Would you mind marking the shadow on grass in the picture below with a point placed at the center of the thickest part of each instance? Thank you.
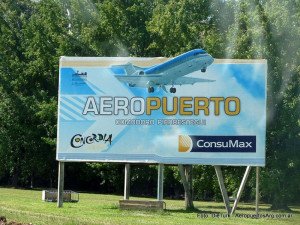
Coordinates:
(195, 210)
(221, 209)
(289, 210)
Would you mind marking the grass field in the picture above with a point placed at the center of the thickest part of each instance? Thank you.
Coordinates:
(26, 206)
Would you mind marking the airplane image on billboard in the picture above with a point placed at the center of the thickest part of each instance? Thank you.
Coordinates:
(171, 72)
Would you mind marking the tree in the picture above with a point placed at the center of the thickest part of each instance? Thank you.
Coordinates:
(28, 88)
(280, 176)
(34, 34)
(176, 26)
(14, 109)
(186, 174)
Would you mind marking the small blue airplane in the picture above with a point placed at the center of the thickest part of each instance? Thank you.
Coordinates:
(172, 72)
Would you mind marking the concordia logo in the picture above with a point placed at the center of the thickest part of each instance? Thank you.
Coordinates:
(192, 143)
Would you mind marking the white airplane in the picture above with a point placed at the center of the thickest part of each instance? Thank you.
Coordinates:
(172, 72)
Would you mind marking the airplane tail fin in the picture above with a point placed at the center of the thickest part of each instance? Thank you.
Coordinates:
(129, 68)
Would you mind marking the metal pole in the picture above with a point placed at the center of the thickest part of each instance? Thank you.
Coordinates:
(257, 191)
(61, 174)
(222, 188)
(160, 182)
(127, 182)
(240, 191)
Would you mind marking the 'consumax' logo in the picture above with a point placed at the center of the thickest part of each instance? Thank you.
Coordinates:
(192, 143)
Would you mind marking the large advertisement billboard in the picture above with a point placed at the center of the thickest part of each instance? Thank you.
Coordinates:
(191, 109)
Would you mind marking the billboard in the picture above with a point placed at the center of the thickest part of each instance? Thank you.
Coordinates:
(185, 110)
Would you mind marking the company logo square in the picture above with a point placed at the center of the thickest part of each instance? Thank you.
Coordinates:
(185, 143)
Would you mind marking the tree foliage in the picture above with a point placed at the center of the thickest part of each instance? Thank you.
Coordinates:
(34, 34)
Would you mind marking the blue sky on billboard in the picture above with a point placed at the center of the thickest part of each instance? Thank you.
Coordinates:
(246, 77)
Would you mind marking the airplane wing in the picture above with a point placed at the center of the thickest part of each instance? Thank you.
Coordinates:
(139, 80)
(189, 80)
(143, 80)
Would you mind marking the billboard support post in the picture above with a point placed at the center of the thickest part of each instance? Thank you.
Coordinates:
(160, 182)
(61, 173)
(127, 182)
(257, 191)
(222, 188)
(241, 188)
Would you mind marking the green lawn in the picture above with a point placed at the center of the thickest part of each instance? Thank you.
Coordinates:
(26, 206)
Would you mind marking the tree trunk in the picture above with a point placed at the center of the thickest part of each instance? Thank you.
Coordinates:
(51, 185)
(15, 177)
(187, 181)
(31, 182)
(279, 203)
